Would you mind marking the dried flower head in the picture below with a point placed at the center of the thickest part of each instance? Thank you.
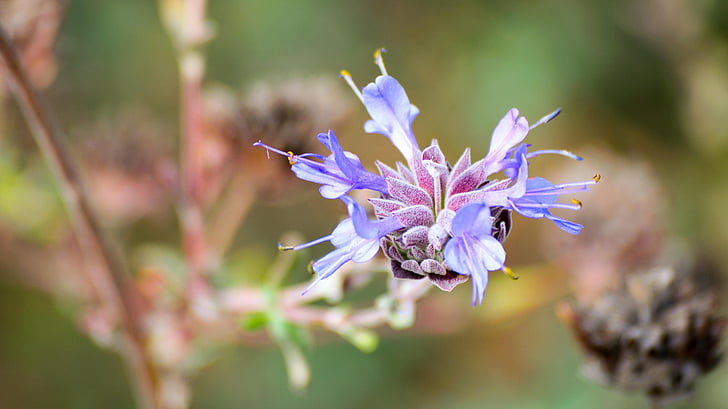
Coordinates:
(434, 220)
(655, 334)
(129, 166)
(287, 115)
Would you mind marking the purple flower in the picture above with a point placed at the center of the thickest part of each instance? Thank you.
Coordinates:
(542, 195)
(442, 222)
(356, 238)
(337, 174)
(511, 130)
(472, 250)
(391, 111)
(534, 197)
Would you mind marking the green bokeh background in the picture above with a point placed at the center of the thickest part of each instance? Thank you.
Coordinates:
(464, 64)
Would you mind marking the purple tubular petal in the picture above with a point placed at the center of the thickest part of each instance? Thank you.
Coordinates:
(537, 200)
(501, 197)
(367, 229)
(511, 130)
(473, 251)
(565, 225)
(392, 114)
(474, 219)
(337, 174)
(358, 250)
(352, 168)
(356, 238)
(349, 165)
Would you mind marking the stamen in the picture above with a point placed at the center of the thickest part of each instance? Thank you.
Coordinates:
(566, 206)
(554, 151)
(555, 192)
(545, 119)
(596, 178)
(281, 247)
(510, 273)
(579, 186)
(292, 158)
(380, 61)
(576, 202)
(347, 77)
(288, 154)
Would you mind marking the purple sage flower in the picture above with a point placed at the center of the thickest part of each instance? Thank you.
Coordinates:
(446, 223)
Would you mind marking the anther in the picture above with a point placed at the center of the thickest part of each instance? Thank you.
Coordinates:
(380, 61)
(576, 202)
(596, 178)
(347, 77)
(281, 247)
(291, 158)
(510, 273)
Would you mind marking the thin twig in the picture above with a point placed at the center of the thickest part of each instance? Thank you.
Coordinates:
(106, 272)
(191, 70)
(232, 209)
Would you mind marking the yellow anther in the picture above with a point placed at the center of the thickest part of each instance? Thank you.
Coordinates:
(291, 158)
(350, 81)
(597, 178)
(378, 55)
(510, 273)
(380, 61)
(309, 268)
(281, 247)
(576, 202)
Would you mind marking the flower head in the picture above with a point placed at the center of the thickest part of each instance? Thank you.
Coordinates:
(436, 221)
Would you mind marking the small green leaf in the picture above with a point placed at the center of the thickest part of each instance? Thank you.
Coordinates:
(364, 340)
(255, 321)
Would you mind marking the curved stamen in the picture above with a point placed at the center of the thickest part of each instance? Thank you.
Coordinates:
(347, 77)
(281, 247)
(566, 206)
(554, 151)
(546, 118)
(293, 158)
(380, 61)
(580, 186)
(551, 193)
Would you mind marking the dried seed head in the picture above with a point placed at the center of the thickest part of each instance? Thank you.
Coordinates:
(287, 115)
(129, 167)
(656, 334)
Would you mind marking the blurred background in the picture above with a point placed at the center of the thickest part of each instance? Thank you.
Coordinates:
(643, 87)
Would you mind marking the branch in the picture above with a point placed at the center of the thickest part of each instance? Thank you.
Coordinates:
(105, 272)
